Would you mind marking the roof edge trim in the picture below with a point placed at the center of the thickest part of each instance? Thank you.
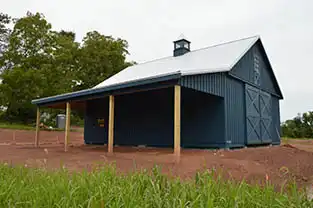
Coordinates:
(205, 71)
(98, 90)
(137, 80)
(245, 51)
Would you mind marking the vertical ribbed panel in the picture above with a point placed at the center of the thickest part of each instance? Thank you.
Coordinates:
(235, 112)
(142, 118)
(202, 120)
(145, 118)
(96, 109)
(244, 70)
(276, 120)
(209, 83)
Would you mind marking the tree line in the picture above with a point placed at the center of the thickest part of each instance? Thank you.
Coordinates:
(300, 126)
(37, 61)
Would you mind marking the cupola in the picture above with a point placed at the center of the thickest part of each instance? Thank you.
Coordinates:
(181, 46)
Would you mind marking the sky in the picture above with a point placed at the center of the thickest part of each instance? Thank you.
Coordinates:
(150, 27)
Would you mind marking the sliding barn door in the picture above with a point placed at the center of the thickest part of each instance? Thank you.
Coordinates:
(266, 117)
(258, 116)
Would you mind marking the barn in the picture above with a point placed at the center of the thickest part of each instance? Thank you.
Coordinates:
(221, 96)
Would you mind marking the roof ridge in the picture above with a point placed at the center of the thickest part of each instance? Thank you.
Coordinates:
(199, 49)
(224, 43)
(155, 60)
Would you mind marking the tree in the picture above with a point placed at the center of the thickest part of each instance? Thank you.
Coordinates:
(5, 31)
(40, 62)
(60, 76)
(300, 126)
(100, 57)
(307, 122)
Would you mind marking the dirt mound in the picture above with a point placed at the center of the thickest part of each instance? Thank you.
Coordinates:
(288, 145)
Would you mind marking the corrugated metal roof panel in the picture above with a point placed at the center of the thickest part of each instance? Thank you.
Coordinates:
(217, 58)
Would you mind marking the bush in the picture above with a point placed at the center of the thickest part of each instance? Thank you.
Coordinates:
(76, 117)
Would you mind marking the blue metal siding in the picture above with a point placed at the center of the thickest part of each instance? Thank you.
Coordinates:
(244, 70)
(276, 121)
(96, 109)
(142, 118)
(235, 113)
(203, 121)
(209, 83)
(232, 90)
(145, 118)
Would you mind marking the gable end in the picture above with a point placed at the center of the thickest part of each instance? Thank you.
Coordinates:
(254, 68)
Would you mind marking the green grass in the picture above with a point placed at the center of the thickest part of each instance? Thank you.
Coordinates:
(26, 127)
(16, 126)
(23, 187)
(289, 138)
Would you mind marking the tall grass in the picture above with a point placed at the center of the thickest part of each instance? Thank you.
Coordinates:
(23, 187)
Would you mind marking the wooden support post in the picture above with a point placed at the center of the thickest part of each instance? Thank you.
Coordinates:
(37, 128)
(14, 138)
(111, 125)
(177, 95)
(67, 125)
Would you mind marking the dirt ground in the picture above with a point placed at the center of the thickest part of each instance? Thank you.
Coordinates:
(277, 163)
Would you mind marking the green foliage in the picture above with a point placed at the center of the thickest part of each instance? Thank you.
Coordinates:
(76, 117)
(5, 31)
(299, 127)
(22, 187)
(32, 70)
(40, 62)
(16, 126)
(100, 57)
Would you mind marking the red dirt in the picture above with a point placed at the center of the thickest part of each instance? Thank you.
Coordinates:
(279, 163)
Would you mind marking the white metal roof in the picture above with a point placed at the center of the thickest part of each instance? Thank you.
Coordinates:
(217, 58)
